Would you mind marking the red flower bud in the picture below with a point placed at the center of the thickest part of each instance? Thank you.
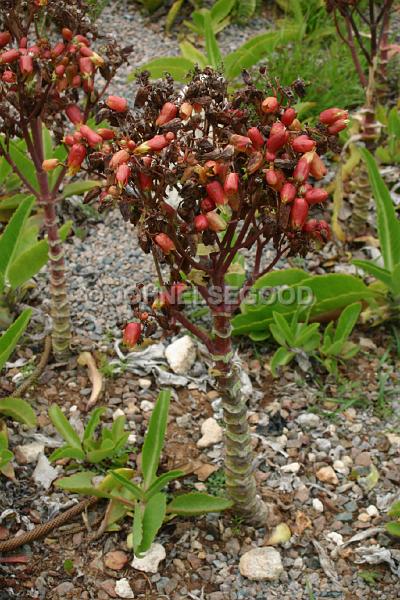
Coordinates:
(316, 195)
(59, 70)
(10, 56)
(288, 116)
(216, 192)
(93, 138)
(67, 34)
(317, 168)
(9, 77)
(231, 185)
(69, 140)
(275, 178)
(338, 125)
(207, 204)
(76, 81)
(277, 141)
(34, 50)
(78, 137)
(302, 169)
(119, 158)
(74, 114)
(167, 113)
(216, 222)
(145, 181)
(255, 162)
(23, 43)
(5, 38)
(330, 115)
(86, 66)
(270, 156)
(302, 144)
(318, 230)
(76, 157)
(132, 333)
(241, 143)
(81, 39)
(57, 50)
(164, 242)
(288, 193)
(277, 127)
(298, 213)
(185, 111)
(256, 137)
(85, 51)
(50, 164)
(200, 223)
(270, 105)
(156, 144)
(122, 174)
(106, 134)
(117, 103)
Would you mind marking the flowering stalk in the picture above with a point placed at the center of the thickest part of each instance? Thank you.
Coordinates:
(245, 183)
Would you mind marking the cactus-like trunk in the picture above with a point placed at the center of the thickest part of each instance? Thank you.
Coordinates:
(60, 314)
(239, 471)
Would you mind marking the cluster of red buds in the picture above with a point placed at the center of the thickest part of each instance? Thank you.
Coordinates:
(197, 169)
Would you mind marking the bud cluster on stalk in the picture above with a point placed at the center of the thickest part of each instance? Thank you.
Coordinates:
(191, 168)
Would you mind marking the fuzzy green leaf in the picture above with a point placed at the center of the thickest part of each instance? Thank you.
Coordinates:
(153, 518)
(10, 337)
(63, 426)
(18, 410)
(197, 503)
(154, 439)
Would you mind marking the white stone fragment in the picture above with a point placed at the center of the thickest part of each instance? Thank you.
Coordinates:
(28, 453)
(291, 468)
(308, 420)
(123, 589)
(44, 474)
(181, 355)
(261, 564)
(212, 433)
(149, 562)
(317, 505)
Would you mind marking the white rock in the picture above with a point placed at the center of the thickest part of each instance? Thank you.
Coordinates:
(308, 420)
(291, 468)
(145, 384)
(212, 433)
(181, 355)
(123, 589)
(118, 413)
(394, 440)
(44, 474)
(28, 453)
(317, 505)
(327, 475)
(334, 537)
(261, 564)
(132, 438)
(146, 405)
(150, 560)
(372, 511)
(340, 467)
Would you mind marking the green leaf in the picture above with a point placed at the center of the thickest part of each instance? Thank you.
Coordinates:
(258, 47)
(212, 49)
(177, 66)
(284, 328)
(305, 336)
(18, 410)
(197, 503)
(77, 188)
(162, 481)
(281, 357)
(137, 527)
(117, 429)
(394, 510)
(135, 490)
(393, 528)
(394, 122)
(347, 321)
(11, 236)
(395, 283)
(193, 54)
(81, 483)
(29, 263)
(10, 338)
(372, 269)
(221, 9)
(172, 14)
(278, 334)
(25, 165)
(99, 454)
(93, 422)
(63, 426)
(67, 452)
(153, 518)
(154, 439)
(387, 222)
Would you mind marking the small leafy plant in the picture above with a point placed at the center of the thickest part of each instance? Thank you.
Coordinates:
(335, 345)
(393, 527)
(146, 501)
(294, 337)
(6, 455)
(109, 445)
(10, 337)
